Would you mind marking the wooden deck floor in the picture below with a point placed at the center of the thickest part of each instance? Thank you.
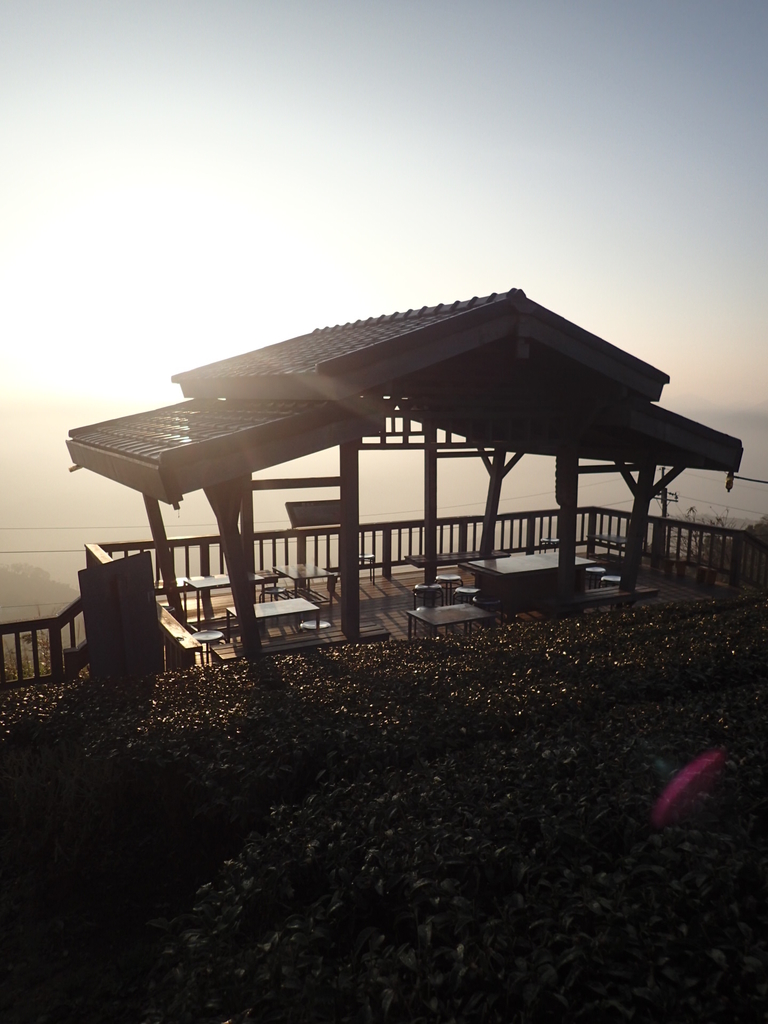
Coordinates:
(383, 604)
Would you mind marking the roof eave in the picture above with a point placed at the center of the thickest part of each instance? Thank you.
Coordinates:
(417, 348)
(188, 468)
(137, 474)
(699, 446)
(537, 323)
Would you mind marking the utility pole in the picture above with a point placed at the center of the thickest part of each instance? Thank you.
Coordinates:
(667, 497)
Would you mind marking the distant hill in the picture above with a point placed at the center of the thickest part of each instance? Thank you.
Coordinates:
(27, 592)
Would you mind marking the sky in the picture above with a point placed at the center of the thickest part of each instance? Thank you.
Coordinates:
(180, 182)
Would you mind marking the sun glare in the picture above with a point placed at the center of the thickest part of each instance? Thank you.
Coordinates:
(116, 295)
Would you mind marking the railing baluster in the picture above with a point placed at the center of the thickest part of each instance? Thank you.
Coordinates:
(19, 660)
(35, 654)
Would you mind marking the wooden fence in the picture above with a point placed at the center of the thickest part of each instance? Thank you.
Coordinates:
(391, 543)
(49, 649)
(33, 650)
(736, 556)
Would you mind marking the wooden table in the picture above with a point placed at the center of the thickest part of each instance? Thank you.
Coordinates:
(203, 585)
(272, 610)
(302, 575)
(607, 540)
(522, 582)
(447, 615)
(448, 558)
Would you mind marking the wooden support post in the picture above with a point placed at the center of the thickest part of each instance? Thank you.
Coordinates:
(658, 543)
(737, 553)
(164, 557)
(567, 496)
(349, 540)
(301, 548)
(56, 653)
(246, 525)
(492, 503)
(226, 502)
(386, 552)
(638, 524)
(205, 558)
(463, 536)
(246, 530)
(430, 502)
(591, 531)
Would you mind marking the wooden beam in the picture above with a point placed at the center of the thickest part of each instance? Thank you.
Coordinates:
(613, 468)
(349, 540)
(246, 526)
(226, 502)
(430, 502)
(461, 454)
(567, 496)
(164, 556)
(629, 480)
(492, 503)
(637, 526)
(667, 479)
(286, 483)
(513, 462)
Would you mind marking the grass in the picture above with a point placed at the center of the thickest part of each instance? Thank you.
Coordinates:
(454, 829)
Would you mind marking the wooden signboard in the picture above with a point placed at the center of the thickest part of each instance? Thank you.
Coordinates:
(314, 513)
(120, 613)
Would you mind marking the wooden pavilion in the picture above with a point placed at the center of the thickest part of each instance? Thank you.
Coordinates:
(493, 378)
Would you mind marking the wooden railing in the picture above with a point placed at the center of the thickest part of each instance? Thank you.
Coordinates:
(391, 543)
(46, 650)
(733, 554)
(697, 544)
(754, 562)
(33, 650)
(736, 556)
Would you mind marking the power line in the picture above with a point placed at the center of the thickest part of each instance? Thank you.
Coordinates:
(276, 522)
(44, 551)
(141, 526)
(720, 504)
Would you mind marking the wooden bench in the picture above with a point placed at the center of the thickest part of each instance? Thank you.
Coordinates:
(370, 632)
(613, 596)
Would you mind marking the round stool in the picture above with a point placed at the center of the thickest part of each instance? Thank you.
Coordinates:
(310, 625)
(449, 581)
(206, 637)
(610, 581)
(489, 604)
(594, 573)
(273, 593)
(368, 562)
(549, 543)
(427, 595)
(465, 595)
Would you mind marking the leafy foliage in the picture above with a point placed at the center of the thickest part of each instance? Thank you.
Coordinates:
(455, 829)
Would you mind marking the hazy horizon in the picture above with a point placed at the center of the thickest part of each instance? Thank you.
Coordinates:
(187, 181)
(47, 519)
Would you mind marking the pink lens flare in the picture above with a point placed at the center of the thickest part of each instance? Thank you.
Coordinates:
(687, 788)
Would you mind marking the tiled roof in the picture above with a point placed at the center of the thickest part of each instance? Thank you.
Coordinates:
(305, 353)
(149, 435)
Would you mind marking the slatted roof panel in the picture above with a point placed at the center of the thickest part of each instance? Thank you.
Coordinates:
(304, 353)
(150, 435)
(334, 362)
